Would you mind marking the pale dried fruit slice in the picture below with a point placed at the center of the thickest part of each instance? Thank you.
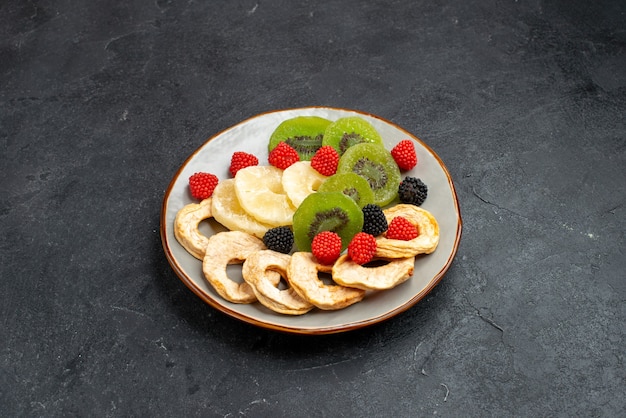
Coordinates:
(425, 243)
(303, 276)
(224, 248)
(385, 276)
(300, 180)
(261, 194)
(263, 271)
(186, 225)
(227, 211)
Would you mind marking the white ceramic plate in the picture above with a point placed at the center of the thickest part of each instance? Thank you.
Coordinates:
(252, 136)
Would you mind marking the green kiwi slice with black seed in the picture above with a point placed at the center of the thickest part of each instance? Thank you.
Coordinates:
(346, 132)
(374, 163)
(326, 211)
(302, 133)
(350, 184)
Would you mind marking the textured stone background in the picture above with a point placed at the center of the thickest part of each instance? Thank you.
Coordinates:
(100, 103)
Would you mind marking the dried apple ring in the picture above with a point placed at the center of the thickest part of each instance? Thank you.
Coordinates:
(186, 227)
(386, 276)
(303, 276)
(425, 243)
(263, 270)
(224, 248)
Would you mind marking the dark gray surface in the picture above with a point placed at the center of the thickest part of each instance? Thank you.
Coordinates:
(525, 101)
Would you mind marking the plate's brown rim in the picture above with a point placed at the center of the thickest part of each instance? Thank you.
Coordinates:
(307, 330)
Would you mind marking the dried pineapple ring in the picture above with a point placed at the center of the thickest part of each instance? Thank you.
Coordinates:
(263, 270)
(425, 243)
(348, 273)
(227, 211)
(229, 247)
(303, 276)
(260, 193)
(300, 180)
(186, 227)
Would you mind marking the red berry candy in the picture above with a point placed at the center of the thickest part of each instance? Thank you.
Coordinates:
(283, 156)
(326, 247)
(404, 154)
(325, 160)
(362, 248)
(241, 160)
(400, 228)
(202, 185)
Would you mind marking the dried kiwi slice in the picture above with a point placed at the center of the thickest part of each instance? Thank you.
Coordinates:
(348, 131)
(326, 211)
(377, 166)
(350, 184)
(303, 133)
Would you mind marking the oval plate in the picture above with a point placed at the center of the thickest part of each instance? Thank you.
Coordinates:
(252, 136)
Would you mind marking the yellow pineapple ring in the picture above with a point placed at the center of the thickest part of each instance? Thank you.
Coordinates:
(425, 243)
(260, 193)
(303, 276)
(300, 180)
(348, 273)
(227, 211)
(224, 248)
(186, 227)
(263, 270)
